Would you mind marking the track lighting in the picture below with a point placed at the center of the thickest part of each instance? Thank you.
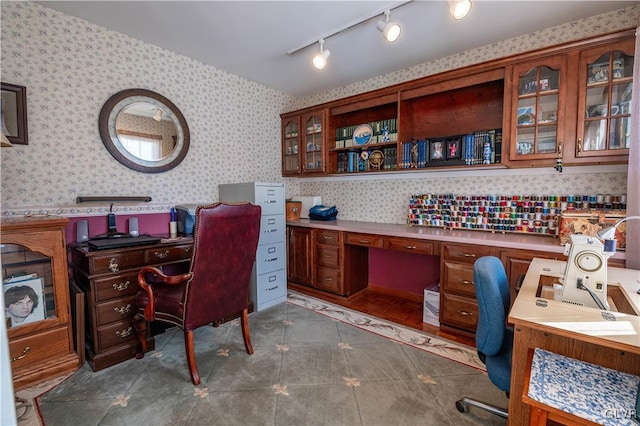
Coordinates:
(459, 8)
(320, 60)
(158, 114)
(390, 30)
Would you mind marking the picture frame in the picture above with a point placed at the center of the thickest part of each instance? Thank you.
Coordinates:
(597, 73)
(454, 148)
(31, 287)
(437, 150)
(13, 113)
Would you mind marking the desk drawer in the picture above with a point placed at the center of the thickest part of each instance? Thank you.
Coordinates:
(116, 310)
(458, 278)
(169, 254)
(272, 229)
(328, 256)
(324, 236)
(271, 285)
(115, 334)
(459, 312)
(116, 262)
(466, 252)
(329, 279)
(366, 240)
(271, 257)
(41, 347)
(116, 286)
(409, 245)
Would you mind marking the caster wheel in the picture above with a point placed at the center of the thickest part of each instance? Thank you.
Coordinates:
(462, 407)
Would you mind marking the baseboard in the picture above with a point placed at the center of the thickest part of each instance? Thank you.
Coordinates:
(396, 293)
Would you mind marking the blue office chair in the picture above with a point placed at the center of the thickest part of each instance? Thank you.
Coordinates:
(494, 340)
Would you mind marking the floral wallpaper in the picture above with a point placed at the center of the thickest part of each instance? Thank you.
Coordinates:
(71, 67)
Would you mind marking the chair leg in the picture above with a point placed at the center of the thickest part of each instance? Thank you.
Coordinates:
(191, 357)
(140, 327)
(244, 321)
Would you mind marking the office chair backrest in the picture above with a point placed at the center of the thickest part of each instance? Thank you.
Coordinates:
(225, 243)
(492, 293)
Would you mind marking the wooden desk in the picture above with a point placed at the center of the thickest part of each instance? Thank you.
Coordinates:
(578, 332)
(109, 279)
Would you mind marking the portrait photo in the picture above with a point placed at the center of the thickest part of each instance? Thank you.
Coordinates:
(24, 301)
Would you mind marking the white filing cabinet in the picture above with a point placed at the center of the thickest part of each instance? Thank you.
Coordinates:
(269, 278)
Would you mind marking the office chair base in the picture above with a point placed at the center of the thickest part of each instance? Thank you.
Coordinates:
(463, 406)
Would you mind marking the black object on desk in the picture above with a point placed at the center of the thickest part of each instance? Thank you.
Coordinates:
(109, 243)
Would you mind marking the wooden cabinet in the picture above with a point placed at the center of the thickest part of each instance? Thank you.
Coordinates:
(109, 279)
(303, 143)
(458, 305)
(300, 255)
(34, 266)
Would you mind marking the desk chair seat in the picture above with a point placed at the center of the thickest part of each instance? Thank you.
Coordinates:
(494, 340)
(575, 392)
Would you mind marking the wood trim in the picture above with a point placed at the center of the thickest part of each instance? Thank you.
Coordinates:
(395, 293)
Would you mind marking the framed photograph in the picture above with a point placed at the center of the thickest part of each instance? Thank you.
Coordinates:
(598, 72)
(24, 300)
(13, 113)
(453, 149)
(437, 150)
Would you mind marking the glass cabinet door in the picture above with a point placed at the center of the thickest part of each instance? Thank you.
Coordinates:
(314, 143)
(604, 116)
(538, 104)
(27, 285)
(291, 146)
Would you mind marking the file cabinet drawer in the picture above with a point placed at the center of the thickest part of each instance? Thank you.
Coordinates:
(116, 310)
(271, 257)
(272, 229)
(271, 285)
(270, 199)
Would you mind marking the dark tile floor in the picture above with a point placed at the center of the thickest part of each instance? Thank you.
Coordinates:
(307, 369)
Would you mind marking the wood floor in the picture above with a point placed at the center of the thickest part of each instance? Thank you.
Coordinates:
(392, 308)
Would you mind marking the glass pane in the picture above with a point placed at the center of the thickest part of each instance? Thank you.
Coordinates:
(291, 146)
(526, 111)
(597, 102)
(547, 136)
(528, 82)
(622, 65)
(548, 79)
(598, 71)
(548, 110)
(621, 98)
(27, 284)
(620, 137)
(595, 135)
(524, 144)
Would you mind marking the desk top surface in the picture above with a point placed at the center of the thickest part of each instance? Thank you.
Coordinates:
(621, 331)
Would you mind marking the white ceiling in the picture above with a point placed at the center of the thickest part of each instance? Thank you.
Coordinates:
(251, 38)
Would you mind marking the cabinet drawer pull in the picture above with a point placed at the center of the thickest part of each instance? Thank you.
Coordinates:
(465, 313)
(363, 241)
(123, 309)
(161, 254)
(328, 237)
(22, 355)
(271, 201)
(124, 333)
(410, 247)
(465, 282)
(121, 286)
(113, 265)
(271, 260)
(272, 288)
(268, 231)
(328, 255)
(466, 255)
(328, 279)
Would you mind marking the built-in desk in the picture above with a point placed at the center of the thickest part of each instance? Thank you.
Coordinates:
(575, 331)
(331, 259)
(109, 280)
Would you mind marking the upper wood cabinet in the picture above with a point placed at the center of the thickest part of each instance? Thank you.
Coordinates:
(604, 102)
(303, 143)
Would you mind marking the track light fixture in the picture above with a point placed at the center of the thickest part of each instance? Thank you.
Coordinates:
(320, 59)
(459, 8)
(390, 30)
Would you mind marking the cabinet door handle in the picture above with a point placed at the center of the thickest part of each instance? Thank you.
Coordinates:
(161, 254)
(123, 309)
(124, 333)
(466, 255)
(113, 265)
(579, 151)
(465, 313)
(465, 282)
(328, 237)
(121, 286)
(22, 355)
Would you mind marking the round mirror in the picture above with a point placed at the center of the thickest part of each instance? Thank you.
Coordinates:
(144, 130)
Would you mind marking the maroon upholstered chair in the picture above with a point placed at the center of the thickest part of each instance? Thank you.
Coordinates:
(217, 284)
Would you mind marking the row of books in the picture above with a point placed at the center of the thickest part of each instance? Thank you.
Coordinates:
(382, 131)
(483, 147)
(361, 161)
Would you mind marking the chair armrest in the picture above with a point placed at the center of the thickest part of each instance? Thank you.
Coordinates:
(157, 278)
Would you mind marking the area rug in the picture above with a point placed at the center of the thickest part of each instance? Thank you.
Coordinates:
(435, 345)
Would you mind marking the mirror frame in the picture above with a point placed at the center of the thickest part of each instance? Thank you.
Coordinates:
(107, 126)
(20, 113)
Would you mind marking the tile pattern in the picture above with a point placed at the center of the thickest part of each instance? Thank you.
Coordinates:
(307, 369)
(71, 67)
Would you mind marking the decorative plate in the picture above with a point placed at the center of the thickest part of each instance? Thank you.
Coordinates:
(363, 134)
(376, 158)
